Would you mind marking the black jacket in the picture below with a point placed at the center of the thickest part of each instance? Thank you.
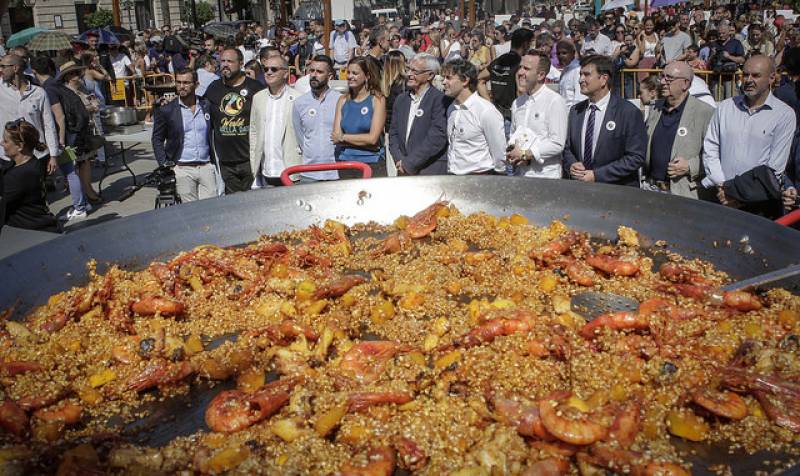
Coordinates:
(424, 153)
(168, 131)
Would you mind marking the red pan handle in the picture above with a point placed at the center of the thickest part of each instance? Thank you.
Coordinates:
(789, 219)
(366, 172)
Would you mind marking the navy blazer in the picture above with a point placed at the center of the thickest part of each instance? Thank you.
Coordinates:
(620, 152)
(168, 131)
(424, 153)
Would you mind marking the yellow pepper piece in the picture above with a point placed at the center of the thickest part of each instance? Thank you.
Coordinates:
(548, 283)
(687, 425)
(226, 459)
(447, 360)
(329, 420)
(430, 342)
(193, 345)
(418, 358)
(196, 283)
(286, 429)
(305, 290)
(517, 219)
(101, 378)
(317, 307)
(578, 404)
(382, 311)
(411, 300)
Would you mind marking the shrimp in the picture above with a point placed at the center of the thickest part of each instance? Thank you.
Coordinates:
(338, 286)
(233, 410)
(524, 418)
(693, 291)
(424, 222)
(721, 403)
(554, 448)
(581, 274)
(677, 273)
(548, 467)
(626, 426)
(165, 275)
(160, 372)
(626, 461)
(518, 322)
(410, 455)
(79, 303)
(366, 361)
(780, 410)
(579, 431)
(623, 320)
(613, 266)
(18, 367)
(150, 305)
(13, 419)
(285, 332)
(741, 301)
(120, 317)
(393, 243)
(358, 401)
(67, 413)
(780, 399)
(381, 461)
(32, 403)
(557, 247)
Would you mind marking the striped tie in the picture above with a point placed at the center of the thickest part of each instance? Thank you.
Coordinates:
(588, 141)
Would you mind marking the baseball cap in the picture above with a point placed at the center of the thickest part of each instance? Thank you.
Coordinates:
(339, 22)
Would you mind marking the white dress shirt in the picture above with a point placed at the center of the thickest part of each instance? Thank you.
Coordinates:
(568, 86)
(738, 140)
(601, 45)
(545, 114)
(477, 141)
(412, 111)
(274, 128)
(599, 115)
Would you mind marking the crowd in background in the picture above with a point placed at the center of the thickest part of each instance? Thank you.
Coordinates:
(693, 102)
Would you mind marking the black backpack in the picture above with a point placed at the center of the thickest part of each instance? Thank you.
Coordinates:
(502, 75)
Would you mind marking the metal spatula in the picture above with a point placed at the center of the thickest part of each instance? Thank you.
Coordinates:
(591, 304)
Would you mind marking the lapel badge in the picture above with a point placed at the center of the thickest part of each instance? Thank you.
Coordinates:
(419, 113)
(364, 111)
(207, 116)
(682, 131)
(243, 93)
(611, 125)
(312, 112)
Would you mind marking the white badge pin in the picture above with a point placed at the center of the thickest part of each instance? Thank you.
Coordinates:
(207, 117)
(364, 111)
(611, 125)
(682, 132)
(312, 112)
(243, 93)
(419, 113)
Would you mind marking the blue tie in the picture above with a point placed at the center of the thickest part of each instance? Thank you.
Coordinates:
(588, 141)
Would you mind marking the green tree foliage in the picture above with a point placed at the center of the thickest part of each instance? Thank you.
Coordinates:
(100, 18)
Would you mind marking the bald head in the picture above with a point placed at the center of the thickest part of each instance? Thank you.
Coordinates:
(762, 63)
(680, 69)
(13, 60)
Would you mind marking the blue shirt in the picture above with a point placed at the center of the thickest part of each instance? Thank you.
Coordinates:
(357, 119)
(204, 78)
(195, 138)
(312, 119)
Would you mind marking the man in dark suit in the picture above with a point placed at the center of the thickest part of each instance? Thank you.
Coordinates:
(606, 137)
(181, 138)
(418, 132)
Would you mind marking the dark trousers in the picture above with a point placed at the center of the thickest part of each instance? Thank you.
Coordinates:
(237, 177)
(378, 170)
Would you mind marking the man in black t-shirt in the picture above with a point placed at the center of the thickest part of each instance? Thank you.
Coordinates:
(230, 99)
(502, 72)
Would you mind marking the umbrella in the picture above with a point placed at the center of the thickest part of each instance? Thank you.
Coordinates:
(24, 36)
(664, 3)
(614, 4)
(220, 30)
(122, 34)
(105, 37)
(50, 40)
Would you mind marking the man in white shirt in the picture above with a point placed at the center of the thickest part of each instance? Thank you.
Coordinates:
(569, 85)
(539, 121)
(273, 144)
(475, 132)
(120, 62)
(595, 42)
(747, 131)
(206, 73)
(342, 44)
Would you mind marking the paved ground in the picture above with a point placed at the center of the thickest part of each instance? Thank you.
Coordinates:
(120, 199)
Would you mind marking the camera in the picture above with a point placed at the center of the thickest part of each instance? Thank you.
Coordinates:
(164, 180)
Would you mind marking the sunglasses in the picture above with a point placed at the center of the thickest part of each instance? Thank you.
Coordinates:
(14, 125)
(273, 69)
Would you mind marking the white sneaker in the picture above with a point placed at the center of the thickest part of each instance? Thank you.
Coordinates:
(76, 215)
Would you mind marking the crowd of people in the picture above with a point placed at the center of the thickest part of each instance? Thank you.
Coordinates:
(701, 104)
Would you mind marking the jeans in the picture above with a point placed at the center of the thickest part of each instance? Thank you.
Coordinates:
(75, 191)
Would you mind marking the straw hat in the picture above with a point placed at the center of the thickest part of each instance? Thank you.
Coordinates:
(68, 67)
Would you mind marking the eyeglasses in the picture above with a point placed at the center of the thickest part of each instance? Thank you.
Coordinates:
(273, 69)
(414, 72)
(668, 78)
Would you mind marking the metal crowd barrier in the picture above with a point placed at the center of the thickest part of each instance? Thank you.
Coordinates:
(722, 85)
